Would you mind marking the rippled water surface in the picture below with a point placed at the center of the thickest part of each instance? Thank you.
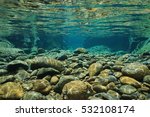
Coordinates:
(76, 20)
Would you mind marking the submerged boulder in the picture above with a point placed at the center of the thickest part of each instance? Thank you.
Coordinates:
(39, 62)
(11, 90)
(77, 90)
(135, 70)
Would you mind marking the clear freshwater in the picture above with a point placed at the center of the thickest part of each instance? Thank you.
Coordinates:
(69, 24)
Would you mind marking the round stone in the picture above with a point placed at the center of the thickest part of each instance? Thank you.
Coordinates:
(77, 90)
(135, 70)
(127, 89)
(42, 86)
(94, 69)
(147, 79)
(54, 80)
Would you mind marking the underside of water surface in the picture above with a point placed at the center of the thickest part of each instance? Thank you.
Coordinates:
(68, 24)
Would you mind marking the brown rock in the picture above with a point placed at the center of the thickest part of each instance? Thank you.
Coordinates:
(11, 90)
(105, 73)
(39, 62)
(94, 69)
(117, 74)
(111, 85)
(42, 86)
(99, 88)
(77, 90)
(130, 81)
(54, 80)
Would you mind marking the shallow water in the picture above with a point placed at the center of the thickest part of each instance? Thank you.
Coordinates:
(114, 24)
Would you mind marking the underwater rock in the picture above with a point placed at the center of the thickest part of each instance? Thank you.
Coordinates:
(135, 70)
(104, 96)
(99, 88)
(111, 86)
(4, 79)
(62, 57)
(105, 73)
(11, 90)
(144, 88)
(40, 50)
(27, 85)
(94, 69)
(117, 74)
(147, 79)
(77, 90)
(17, 64)
(127, 89)
(114, 94)
(81, 50)
(32, 95)
(62, 81)
(130, 81)
(42, 72)
(54, 80)
(22, 75)
(42, 86)
(39, 62)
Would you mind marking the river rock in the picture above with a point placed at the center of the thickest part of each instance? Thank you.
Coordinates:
(147, 79)
(17, 64)
(42, 72)
(42, 86)
(22, 75)
(32, 95)
(135, 70)
(11, 90)
(77, 90)
(94, 69)
(39, 62)
(80, 50)
(114, 94)
(99, 88)
(4, 79)
(127, 89)
(54, 80)
(62, 81)
(130, 81)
